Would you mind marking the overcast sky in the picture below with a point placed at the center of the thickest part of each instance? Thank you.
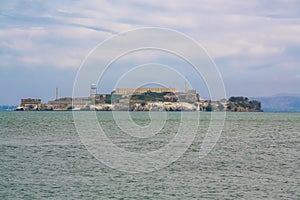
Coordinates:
(255, 44)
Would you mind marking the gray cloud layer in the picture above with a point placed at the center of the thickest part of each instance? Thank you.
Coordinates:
(256, 44)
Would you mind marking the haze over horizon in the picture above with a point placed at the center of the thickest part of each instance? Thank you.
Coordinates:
(255, 44)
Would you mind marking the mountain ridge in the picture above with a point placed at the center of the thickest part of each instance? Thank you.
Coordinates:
(283, 102)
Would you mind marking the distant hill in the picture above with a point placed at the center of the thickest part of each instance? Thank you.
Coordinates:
(280, 103)
(7, 107)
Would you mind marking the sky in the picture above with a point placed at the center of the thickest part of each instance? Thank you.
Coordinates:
(254, 44)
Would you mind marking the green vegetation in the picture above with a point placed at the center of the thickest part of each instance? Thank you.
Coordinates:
(108, 98)
(148, 96)
(221, 107)
(112, 98)
(209, 108)
(242, 104)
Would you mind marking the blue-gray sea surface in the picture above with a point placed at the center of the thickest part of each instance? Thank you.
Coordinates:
(256, 157)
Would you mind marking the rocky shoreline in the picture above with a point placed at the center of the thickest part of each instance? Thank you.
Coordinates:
(142, 99)
(234, 104)
(154, 106)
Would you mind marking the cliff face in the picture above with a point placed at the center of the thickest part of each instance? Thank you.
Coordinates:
(147, 106)
(242, 104)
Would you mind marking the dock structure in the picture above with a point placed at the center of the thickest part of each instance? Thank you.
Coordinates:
(30, 104)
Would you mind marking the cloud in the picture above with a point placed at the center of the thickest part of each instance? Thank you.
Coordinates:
(244, 37)
(226, 29)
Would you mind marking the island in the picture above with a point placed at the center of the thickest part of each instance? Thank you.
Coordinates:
(142, 99)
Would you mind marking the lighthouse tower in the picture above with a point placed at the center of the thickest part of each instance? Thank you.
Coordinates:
(93, 90)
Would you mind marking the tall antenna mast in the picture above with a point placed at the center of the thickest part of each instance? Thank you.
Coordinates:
(56, 93)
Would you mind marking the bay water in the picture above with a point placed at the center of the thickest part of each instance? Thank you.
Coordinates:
(256, 157)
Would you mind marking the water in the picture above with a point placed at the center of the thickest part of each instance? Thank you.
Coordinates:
(256, 157)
